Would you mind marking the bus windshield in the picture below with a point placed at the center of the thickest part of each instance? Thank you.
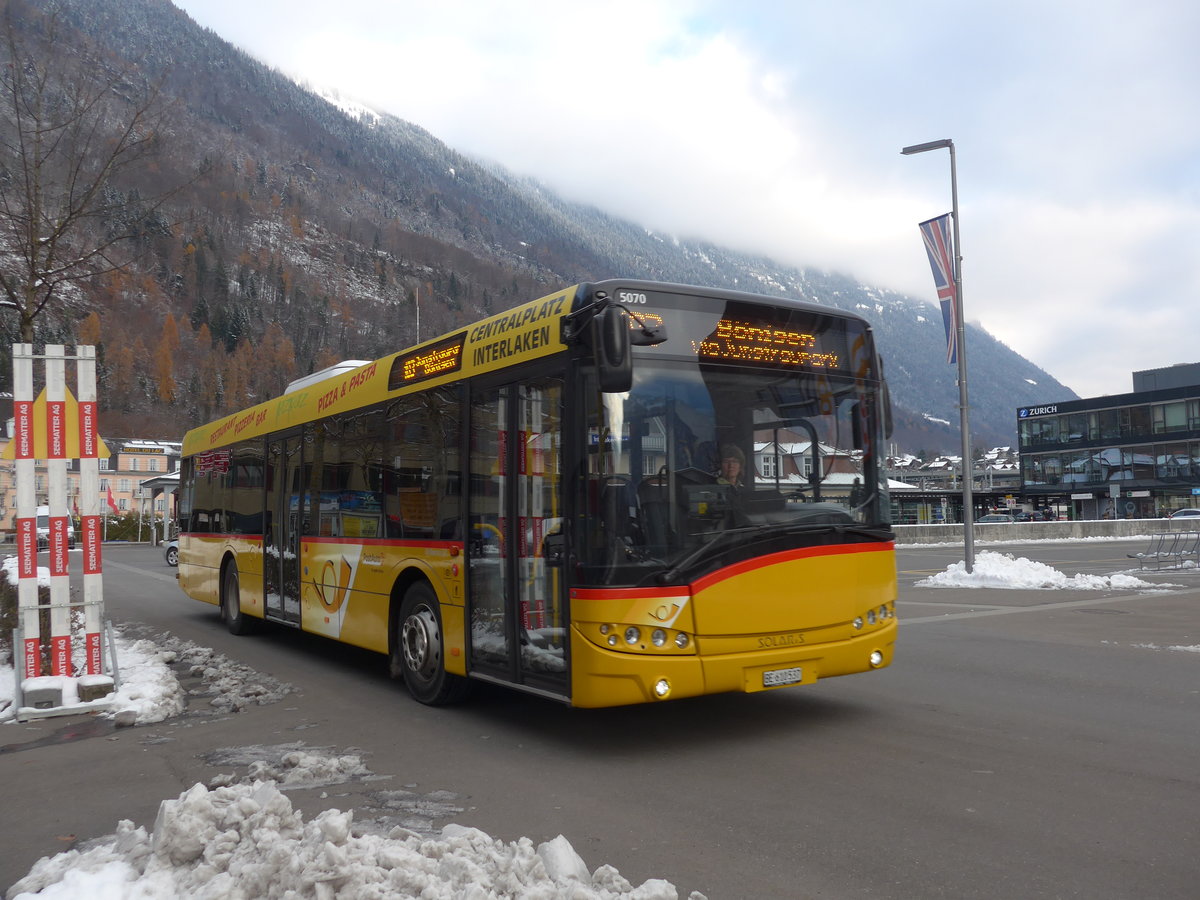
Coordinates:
(701, 465)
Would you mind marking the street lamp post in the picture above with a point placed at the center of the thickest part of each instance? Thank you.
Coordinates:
(961, 337)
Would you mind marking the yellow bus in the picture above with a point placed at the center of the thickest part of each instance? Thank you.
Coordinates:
(623, 492)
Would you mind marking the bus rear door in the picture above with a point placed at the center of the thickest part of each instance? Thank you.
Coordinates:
(516, 595)
(283, 527)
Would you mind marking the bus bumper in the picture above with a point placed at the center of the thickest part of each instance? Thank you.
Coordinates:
(604, 677)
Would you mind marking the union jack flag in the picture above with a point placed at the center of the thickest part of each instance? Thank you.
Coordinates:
(938, 244)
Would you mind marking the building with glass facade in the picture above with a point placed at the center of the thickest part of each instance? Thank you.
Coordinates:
(1134, 455)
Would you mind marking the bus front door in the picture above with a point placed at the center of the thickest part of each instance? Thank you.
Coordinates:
(515, 591)
(283, 528)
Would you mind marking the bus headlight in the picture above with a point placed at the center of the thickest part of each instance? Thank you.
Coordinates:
(870, 617)
(633, 634)
(658, 637)
(876, 659)
(662, 689)
(681, 640)
(858, 623)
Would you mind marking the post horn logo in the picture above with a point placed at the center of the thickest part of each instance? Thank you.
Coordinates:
(334, 585)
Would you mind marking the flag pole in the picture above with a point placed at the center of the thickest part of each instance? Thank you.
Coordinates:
(963, 411)
(961, 353)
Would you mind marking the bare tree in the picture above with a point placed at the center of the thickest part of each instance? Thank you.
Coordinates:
(72, 122)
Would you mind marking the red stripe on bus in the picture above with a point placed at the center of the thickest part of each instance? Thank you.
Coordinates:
(639, 593)
(221, 534)
(386, 542)
(773, 559)
(366, 542)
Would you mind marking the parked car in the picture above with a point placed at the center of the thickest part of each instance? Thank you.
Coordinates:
(1023, 516)
(1185, 514)
(995, 518)
(43, 530)
(171, 552)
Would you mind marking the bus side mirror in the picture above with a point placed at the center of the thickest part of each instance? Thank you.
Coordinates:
(554, 549)
(611, 346)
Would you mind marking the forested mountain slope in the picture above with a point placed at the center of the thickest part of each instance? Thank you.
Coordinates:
(312, 234)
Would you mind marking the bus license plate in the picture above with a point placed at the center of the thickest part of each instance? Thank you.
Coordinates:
(776, 677)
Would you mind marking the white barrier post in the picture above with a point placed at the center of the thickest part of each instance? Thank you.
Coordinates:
(56, 433)
(89, 524)
(56, 484)
(25, 472)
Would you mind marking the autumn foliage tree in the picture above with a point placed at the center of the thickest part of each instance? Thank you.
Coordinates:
(164, 360)
(72, 126)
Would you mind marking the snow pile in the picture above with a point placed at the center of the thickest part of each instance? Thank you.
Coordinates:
(1186, 648)
(1003, 570)
(233, 686)
(149, 691)
(10, 567)
(291, 765)
(246, 841)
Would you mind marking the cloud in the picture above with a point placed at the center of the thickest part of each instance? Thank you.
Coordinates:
(776, 129)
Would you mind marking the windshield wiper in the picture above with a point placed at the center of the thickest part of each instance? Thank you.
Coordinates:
(722, 537)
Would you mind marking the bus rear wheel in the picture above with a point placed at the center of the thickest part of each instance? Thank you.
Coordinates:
(418, 652)
(231, 603)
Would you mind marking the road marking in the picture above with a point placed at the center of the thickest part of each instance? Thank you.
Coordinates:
(170, 579)
(1006, 610)
(939, 603)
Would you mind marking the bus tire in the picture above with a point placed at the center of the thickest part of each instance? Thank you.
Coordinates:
(418, 649)
(231, 602)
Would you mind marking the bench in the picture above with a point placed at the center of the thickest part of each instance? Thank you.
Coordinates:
(1171, 549)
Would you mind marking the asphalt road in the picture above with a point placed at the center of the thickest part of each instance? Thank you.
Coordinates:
(1025, 744)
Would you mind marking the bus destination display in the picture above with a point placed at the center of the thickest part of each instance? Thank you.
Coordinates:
(735, 340)
(716, 330)
(428, 362)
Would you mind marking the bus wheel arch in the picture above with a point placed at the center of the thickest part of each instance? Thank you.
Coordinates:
(231, 603)
(417, 645)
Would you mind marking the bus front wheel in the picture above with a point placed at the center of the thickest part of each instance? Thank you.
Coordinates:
(418, 649)
(231, 603)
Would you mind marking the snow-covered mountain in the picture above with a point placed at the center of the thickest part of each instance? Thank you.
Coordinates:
(321, 223)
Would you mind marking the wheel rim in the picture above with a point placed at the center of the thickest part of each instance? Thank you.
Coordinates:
(422, 643)
(233, 603)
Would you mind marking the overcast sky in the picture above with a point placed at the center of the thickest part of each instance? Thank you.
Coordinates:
(776, 127)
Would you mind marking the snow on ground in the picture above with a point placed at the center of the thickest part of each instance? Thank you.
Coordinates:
(246, 841)
(1003, 570)
(239, 838)
(148, 690)
(1195, 648)
(288, 765)
(9, 566)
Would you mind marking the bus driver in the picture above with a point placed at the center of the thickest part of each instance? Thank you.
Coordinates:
(733, 461)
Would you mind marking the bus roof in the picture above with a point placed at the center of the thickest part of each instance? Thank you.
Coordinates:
(526, 332)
